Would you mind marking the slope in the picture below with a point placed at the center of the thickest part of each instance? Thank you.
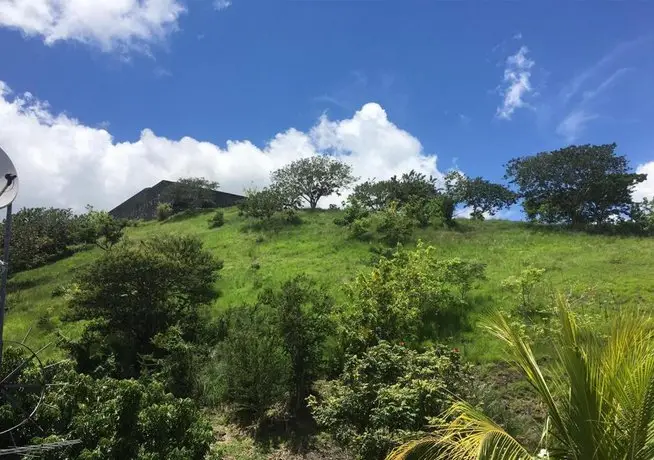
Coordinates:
(607, 271)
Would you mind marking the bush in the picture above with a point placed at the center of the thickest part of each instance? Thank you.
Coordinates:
(218, 219)
(135, 292)
(274, 351)
(101, 228)
(164, 211)
(360, 229)
(352, 212)
(40, 236)
(394, 225)
(387, 395)
(252, 370)
(411, 296)
(113, 419)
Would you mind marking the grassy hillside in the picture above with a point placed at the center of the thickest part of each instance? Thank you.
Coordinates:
(611, 272)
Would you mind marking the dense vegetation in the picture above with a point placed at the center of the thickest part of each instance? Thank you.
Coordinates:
(347, 330)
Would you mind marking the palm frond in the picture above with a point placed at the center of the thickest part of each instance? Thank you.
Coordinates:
(470, 435)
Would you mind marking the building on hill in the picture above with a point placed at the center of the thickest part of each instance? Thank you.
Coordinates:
(143, 205)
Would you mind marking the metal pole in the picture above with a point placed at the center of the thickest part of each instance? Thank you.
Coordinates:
(5, 272)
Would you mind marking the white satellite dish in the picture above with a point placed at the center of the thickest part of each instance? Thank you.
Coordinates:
(8, 180)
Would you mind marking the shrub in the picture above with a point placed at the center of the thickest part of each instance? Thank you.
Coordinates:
(273, 351)
(113, 419)
(218, 219)
(164, 211)
(408, 297)
(135, 292)
(101, 228)
(360, 229)
(394, 225)
(352, 212)
(252, 370)
(387, 395)
(40, 236)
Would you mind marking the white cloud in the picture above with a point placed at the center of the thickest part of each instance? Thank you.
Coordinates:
(109, 24)
(573, 125)
(645, 189)
(222, 4)
(62, 162)
(516, 77)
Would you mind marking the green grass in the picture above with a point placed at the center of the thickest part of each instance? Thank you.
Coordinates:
(610, 270)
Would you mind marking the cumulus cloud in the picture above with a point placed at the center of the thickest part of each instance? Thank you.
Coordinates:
(517, 86)
(645, 189)
(108, 24)
(62, 162)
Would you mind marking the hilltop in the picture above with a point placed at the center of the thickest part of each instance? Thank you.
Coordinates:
(607, 271)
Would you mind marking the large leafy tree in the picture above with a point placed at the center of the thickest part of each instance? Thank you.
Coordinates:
(598, 394)
(313, 178)
(578, 184)
(136, 291)
(479, 194)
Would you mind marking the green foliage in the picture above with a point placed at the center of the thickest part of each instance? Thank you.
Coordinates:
(217, 220)
(597, 395)
(353, 211)
(252, 371)
(190, 193)
(407, 298)
(312, 178)
(575, 185)
(524, 285)
(394, 225)
(164, 211)
(274, 351)
(303, 319)
(408, 188)
(263, 204)
(101, 228)
(135, 292)
(113, 419)
(386, 396)
(482, 196)
(642, 215)
(361, 229)
(40, 236)
(372, 195)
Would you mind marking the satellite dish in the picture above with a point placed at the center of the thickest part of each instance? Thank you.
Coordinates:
(8, 180)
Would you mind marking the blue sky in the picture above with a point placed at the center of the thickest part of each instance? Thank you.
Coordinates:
(99, 101)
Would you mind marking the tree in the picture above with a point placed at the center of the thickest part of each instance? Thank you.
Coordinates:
(410, 187)
(190, 193)
(41, 235)
(575, 185)
(483, 196)
(273, 351)
(112, 419)
(101, 228)
(313, 178)
(136, 291)
(303, 317)
(599, 398)
(387, 394)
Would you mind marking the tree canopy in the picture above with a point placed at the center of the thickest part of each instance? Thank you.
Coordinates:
(577, 185)
(313, 178)
(479, 194)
